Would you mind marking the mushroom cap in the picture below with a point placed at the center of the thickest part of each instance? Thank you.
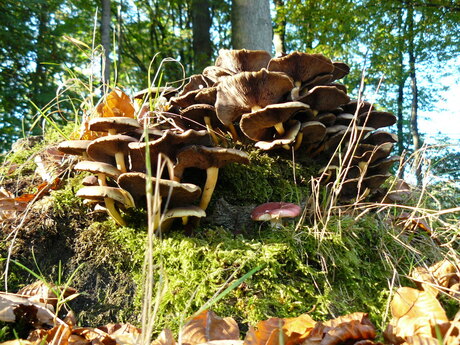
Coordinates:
(74, 147)
(275, 210)
(240, 93)
(197, 82)
(202, 157)
(352, 106)
(181, 193)
(313, 132)
(344, 119)
(91, 180)
(99, 193)
(341, 69)
(302, 67)
(216, 73)
(243, 60)
(325, 98)
(382, 166)
(118, 123)
(168, 145)
(377, 119)
(287, 138)
(380, 137)
(98, 168)
(194, 116)
(103, 149)
(258, 125)
(184, 211)
(207, 96)
(327, 119)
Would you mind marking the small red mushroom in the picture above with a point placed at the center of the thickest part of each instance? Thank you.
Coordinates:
(274, 212)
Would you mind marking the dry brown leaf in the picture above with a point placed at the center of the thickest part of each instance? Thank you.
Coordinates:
(17, 342)
(122, 333)
(358, 316)
(348, 331)
(420, 340)
(224, 342)
(260, 334)
(415, 303)
(117, 103)
(442, 274)
(94, 335)
(45, 292)
(207, 326)
(411, 223)
(399, 329)
(296, 329)
(316, 335)
(165, 338)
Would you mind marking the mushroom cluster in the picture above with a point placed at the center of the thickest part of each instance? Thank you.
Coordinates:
(118, 157)
(292, 102)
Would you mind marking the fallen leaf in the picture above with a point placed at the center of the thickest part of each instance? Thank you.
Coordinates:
(116, 103)
(165, 338)
(42, 292)
(207, 326)
(443, 274)
(260, 334)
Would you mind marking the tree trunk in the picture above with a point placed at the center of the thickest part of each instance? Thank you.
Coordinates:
(201, 24)
(414, 105)
(279, 31)
(251, 25)
(401, 82)
(105, 40)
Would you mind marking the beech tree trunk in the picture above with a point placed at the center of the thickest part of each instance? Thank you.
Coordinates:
(201, 24)
(105, 39)
(279, 30)
(251, 25)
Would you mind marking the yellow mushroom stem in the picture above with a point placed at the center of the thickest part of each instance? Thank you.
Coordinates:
(112, 211)
(286, 147)
(233, 132)
(101, 179)
(120, 161)
(279, 128)
(211, 180)
(207, 121)
(298, 140)
(295, 92)
(112, 131)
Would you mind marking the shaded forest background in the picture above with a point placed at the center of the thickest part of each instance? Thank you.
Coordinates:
(56, 53)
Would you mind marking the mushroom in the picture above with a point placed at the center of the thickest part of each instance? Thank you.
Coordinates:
(284, 141)
(247, 92)
(274, 212)
(111, 149)
(202, 115)
(324, 98)
(184, 213)
(111, 196)
(260, 124)
(209, 159)
(377, 119)
(74, 147)
(302, 68)
(113, 125)
(242, 60)
(310, 132)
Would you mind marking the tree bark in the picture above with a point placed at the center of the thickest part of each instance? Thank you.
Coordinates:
(414, 105)
(201, 24)
(105, 39)
(251, 25)
(279, 30)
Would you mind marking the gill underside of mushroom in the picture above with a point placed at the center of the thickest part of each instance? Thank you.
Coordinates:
(279, 128)
(298, 140)
(210, 185)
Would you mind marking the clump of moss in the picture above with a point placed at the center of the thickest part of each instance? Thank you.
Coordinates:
(273, 177)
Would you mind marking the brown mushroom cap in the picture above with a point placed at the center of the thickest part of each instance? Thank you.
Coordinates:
(258, 125)
(202, 157)
(341, 69)
(117, 123)
(168, 145)
(327, 119)
(313, 132)
(287, 138)
(104, 149)
(207, 96)
(197, 82)
(194, 116)
(243, 92)
(99, 193)
(380, 137)
(377, 119)
(351, 107)
(74, 147)
(216, 73)
(98, 168)
(243, 60)
(325, 98)
(381, 167)
(181, 193)
(344, 119)
(302, 66)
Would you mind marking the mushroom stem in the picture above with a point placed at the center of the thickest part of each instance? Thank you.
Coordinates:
(112, 131)
(112, 211)
(120, 160)
(298, 140)
(276, 223)
(233, 132)
(101, 179)
(279, 128)
(211, 180)
(207, 121)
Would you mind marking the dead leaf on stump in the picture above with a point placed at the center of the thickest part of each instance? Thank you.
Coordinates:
(443, 274)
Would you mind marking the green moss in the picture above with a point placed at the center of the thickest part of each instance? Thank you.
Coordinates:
(272, 177)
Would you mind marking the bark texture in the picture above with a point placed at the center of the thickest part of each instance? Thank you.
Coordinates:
(251, 25)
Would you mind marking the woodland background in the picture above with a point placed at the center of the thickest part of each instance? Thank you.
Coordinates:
(402, 48)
